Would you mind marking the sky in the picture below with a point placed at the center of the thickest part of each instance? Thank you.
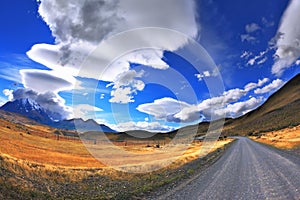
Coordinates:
(150, 65)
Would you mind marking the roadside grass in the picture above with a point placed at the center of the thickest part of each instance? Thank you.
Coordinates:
(40, 181)
(287, 138)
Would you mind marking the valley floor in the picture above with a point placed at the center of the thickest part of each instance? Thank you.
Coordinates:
(34, 164)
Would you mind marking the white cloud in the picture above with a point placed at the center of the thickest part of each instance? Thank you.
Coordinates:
(87, 23)
(214, 73)
(142, 125)
(43, 80)
(248, 38)
(102, 96)
(250, 28)
(139, 125)
(170, 109)
(222, 106)
(259, 59)
(147, 57)
(51, 55)
(201, 76)
(251, 61)
(206, 74)
(188, 114)
(262, 61)
(233, 95)
(178, 15)
(276, 84)
(49, 101)
(125, 86)
(122, 95)
(251, 86)
(246, 54)
(163, 109)
(288, 40)
(126, 78)
(70, 20)
(239, 108)
(212, 106)
(99, 66)
(85, 111)
(209, 106)
(80, 26)
(9, 94)
(267, 23)
(298, 62)
(94, 20)
(177, 111)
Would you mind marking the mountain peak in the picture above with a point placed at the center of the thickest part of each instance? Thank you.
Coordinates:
(32, 110)
(28, 108)
(28, 104)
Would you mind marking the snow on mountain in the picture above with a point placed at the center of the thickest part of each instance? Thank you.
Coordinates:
(29, 108)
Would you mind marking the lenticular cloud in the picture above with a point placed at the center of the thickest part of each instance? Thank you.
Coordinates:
(79, 26)
(288, 43)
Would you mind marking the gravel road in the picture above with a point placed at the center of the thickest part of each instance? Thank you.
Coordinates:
(248, 170)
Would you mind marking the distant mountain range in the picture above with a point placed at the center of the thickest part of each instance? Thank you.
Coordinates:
(32, 110)
(82, 126)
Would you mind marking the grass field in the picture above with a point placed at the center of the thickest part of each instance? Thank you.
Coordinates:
(35, 164)
(42, 147)
(288, 138)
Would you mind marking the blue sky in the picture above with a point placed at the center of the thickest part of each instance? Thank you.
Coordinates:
(74, 56)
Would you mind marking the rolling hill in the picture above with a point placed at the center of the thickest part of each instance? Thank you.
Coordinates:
(281, 110)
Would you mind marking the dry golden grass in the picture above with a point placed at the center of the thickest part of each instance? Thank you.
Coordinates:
(146, 159)
(38, 165)
(32, 147)
(287, 138)
(42, 148)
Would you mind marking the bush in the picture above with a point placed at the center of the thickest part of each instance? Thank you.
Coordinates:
(57, 132)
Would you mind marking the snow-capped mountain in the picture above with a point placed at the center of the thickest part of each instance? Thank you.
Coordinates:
(28, 108)
(32, 110)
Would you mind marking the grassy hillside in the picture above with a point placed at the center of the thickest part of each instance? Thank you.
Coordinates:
(281, 110)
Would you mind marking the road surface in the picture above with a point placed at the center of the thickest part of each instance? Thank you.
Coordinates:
(248, 170)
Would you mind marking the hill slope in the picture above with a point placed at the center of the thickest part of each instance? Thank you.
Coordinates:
(281, 110)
